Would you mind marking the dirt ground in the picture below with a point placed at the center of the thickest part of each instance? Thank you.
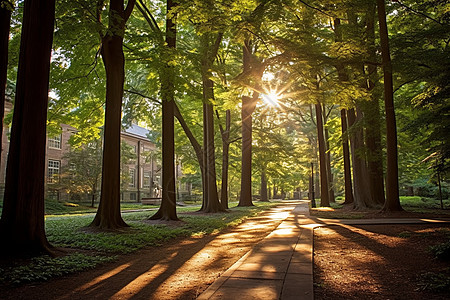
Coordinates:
(379, 262)
(351, 262)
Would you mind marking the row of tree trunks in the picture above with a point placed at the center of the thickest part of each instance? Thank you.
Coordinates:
(22, 223)
(167, 210)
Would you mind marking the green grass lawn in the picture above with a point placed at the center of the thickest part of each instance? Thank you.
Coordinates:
(66, 228)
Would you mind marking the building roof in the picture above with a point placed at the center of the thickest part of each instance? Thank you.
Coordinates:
(138, 131)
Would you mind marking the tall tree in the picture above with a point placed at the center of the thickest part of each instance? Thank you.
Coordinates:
(167, 210)
(22, 222)
(371, 109)
(392, 202)
(108, 213)
(252, 70)
(209, 47)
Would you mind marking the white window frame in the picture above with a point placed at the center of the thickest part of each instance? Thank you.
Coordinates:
(132, 177)
(53, 168)
(55, 142)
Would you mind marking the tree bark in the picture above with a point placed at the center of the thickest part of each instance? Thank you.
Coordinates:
(167, 210)
(392, 202)
(108, 213)
(346, 154)
(324, 195)
(22, 223)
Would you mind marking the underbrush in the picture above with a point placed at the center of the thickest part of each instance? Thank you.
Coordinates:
(91, 247)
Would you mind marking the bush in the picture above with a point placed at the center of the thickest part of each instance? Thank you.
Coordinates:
(441, 251)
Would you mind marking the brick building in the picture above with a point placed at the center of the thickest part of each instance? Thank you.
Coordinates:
(143, 173)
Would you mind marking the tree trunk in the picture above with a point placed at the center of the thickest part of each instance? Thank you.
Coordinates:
(248, 106)
(346, 154)
(392, 202)
(264, 187)
(108, 213)
(5, 19)
(209, 52)
(360, 180)
(225, 159)
(328, 157)
(373, 118)
(167, 210)
(22, 223)
(324, 195)
(250, 66)
(212, 202)
(195, 144)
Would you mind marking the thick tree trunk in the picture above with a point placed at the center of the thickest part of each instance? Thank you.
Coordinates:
(5, 19)
(108, 213)
(22, 223)
(324, 192)
(346, 154)
(167, 210)
(264, 196)
(392, 194)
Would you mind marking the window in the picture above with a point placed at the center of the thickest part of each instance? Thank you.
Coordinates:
(54, 167)
(146, 183)
(55, 142)
(132, 177)
(133, 196)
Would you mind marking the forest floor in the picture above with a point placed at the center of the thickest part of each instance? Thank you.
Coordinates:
(351, 262)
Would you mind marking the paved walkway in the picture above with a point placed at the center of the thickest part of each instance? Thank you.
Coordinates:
(281, 266)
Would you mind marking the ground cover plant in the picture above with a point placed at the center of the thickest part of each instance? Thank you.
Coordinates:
(86, 248)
